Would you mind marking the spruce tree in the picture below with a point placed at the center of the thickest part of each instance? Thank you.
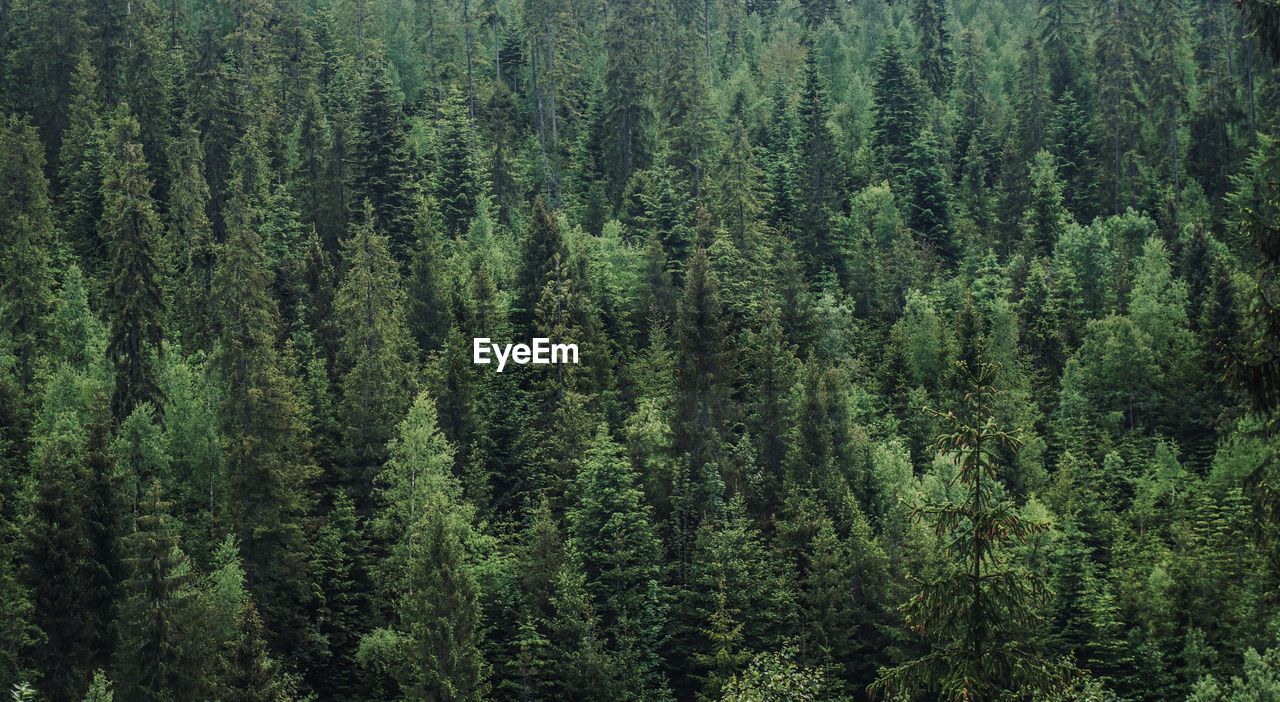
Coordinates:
(429, 577)
(543, 246)
(58, 557)
(374, 353)
(609, 528)
(626, 114)
(384, 173)
(702, 367)
(457, 185)
(899, 103)
(80, 162)
(822, 179)
(156, 653)
(134, 303)
(26, 235)
(268, 458)
(188, 242)
(977, 614)
(928, 212)
(936, 63)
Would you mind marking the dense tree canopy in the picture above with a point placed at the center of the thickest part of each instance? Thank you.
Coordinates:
(927, 350)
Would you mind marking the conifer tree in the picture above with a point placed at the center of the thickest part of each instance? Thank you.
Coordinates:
(702, 366)
(936, 63)
(899, 103)
(740, 197)
(543, 247)
(609, 529)
(457, 183)
(1046, 216)
(822, 180)
(26, 234)
(58, 557)
(384, 174)
(268, 463)
(188, 241)
(976, 613)
(428, 577)
(156, 652)
(374, 352)
(626, 114)
(928, 212)
(80, 162)
(131, 229)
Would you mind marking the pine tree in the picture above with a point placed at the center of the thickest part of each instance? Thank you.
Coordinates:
(609, 529)
(936, 63)
(1069, 142)
(899, 103)
(26, 235)
(131, 229)
(384, 174)
(337, 559)
(685, 112)
(374, 352)
(268, 463)
(156, 652)
(251, 674)
(1118, 98)
(977, 613)
(47, 41)
(702, 367)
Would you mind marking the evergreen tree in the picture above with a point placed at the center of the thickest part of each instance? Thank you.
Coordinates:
(268, 463)
(822, 179)
(976, 613)
(59, 559)
(434, 592)
(626, 115)
(936, 63)
(156, 652)
(543, 247)
(899, 104)
(384, 173)
(26, 236)
(702, 367)
(609, 529)
(374, 352)
(457, 184)
(80, 162)
(132, 232)
(928, 212)
(188, 243)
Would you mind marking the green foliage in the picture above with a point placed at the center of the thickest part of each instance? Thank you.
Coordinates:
(245, 247)
(974, 614)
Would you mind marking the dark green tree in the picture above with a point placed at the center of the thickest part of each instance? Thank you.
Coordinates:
(978, 613)
(374, 353)
(131, 229)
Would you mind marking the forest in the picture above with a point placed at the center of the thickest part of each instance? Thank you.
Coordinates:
(930, 350)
